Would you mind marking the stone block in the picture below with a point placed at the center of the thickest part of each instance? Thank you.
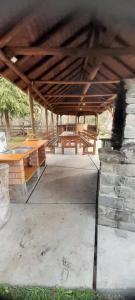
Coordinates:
(127, 226)
(130, 120)
(130, 84)
(129, 132)
(118, 215)
(130, 97)
(113, 179)
(112, 202)
(107, 179)
(127, 141)
(118, 169)
(112, 156)
(103, 220)
(130, 108)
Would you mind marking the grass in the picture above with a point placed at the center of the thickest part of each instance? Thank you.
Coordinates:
(38, 293)
(16, 139)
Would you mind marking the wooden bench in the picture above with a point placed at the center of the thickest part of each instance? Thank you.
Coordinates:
(69, 142)
(88, 140)
(51, 145)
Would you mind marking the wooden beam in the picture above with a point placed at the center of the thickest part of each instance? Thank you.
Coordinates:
(64, 82)
(7, 37)
(46, 119)
(75, 103)
(23, 77)
(31, 110)
(77, 107)
(78, 95)
(52, 119)
(77, 52)
(107, 41)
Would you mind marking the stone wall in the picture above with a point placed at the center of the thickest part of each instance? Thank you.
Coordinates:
(4, 195)
(116, 203)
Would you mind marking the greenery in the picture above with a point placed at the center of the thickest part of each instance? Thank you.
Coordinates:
(14, 103)
(38, 293)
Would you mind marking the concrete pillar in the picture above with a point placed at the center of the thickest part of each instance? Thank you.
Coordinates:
(31, 111)
(4, 195)
(46, 119)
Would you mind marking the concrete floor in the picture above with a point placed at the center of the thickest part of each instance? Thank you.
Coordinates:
(67, 179)
(50, 240)
(115, 259)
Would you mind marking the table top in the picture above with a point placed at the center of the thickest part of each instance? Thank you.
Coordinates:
(7, 157)
(68, 133)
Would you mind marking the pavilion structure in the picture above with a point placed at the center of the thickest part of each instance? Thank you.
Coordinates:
(69, 59)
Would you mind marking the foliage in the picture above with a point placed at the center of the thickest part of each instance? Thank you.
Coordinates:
(38, 293)
(12, 99)
(105, 124)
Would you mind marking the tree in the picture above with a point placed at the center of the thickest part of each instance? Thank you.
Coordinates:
(13, 102)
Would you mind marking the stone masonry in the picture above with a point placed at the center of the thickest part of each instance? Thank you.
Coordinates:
(116, 203)
(4, 195)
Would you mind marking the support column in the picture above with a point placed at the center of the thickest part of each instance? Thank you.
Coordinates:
(96, 122)
(57, 120)
(84, 119)
(31, 111)
(52, 119)
(60, 119)
(78, 119)
(46, 119)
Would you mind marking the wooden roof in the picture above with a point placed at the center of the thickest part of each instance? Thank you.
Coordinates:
(71, 57)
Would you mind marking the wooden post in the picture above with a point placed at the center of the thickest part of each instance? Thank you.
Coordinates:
(78, 119)
(46, 119)
(96, 122)
(84, 119)
(57, 120)
(31, 111)
(60, 119)
(52, 119)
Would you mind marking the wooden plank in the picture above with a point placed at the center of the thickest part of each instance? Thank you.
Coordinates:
(77, 52)
(78, 95)
(64, 82)
(46, 120)
(75, 103)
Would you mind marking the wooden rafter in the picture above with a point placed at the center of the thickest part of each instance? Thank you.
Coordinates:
(77, 52)
(61, 82)
(78, 95)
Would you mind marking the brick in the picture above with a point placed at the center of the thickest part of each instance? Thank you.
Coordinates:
(16, 181)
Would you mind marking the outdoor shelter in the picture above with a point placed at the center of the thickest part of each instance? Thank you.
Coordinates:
(69, 57)
(74, 58)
